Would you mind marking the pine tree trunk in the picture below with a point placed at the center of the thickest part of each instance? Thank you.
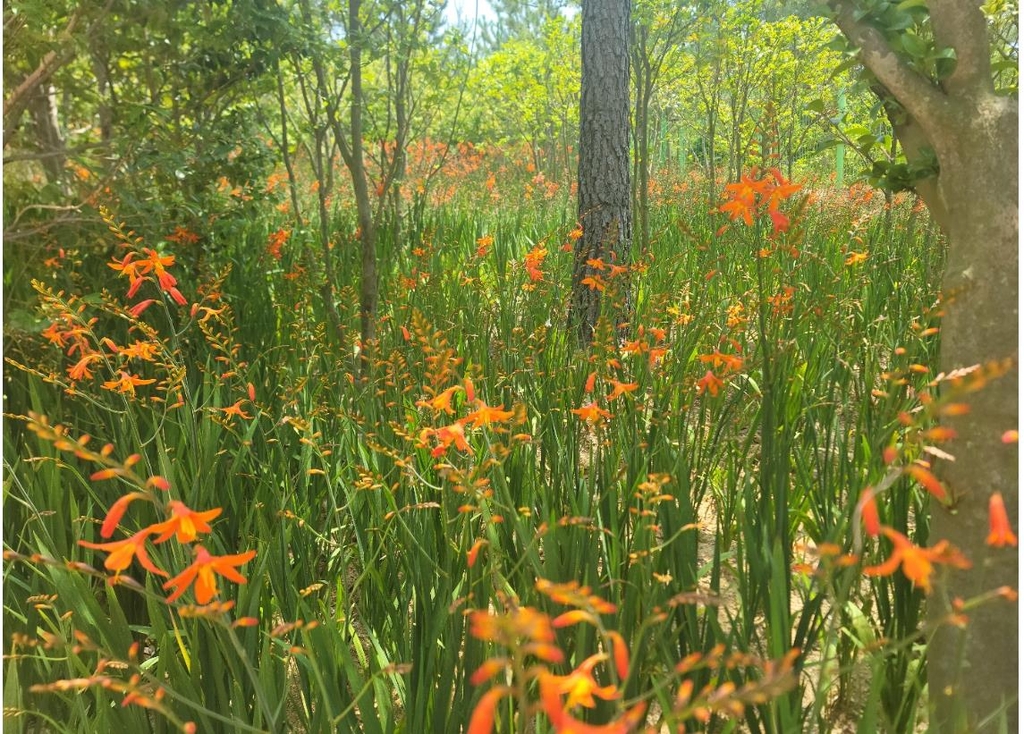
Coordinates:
(604, 189)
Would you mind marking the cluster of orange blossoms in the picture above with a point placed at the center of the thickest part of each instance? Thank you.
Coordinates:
(139, 272)
(655, 349)
(454, 434)
(275, 241)
(726, 364)
(528, 633)
(597, 281)
(182, 236)
(71, 332)
(591, 413)
(533, 262)
(751, 197)
(183, 523)
(185, 526)
(918, 564)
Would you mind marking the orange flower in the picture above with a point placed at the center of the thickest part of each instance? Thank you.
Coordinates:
(533, 261)
(709, 382)
(1000, 534)
(472, 553)
(620, 653)
(117, 511)
(581, 686)
(447, 435)
(182, 236)
(918, 563)
(592, 414)
(184, 524)
(80, 370)
(482, 720)
(485, 415)
(729, 361)
(236, 409)
(484, 244)
(780, 222)
(869, 512)
(145, 351)
(203, 572)
(620, 388)
(442, 401)
(275, 241)
(551, 689)
(742, 198)
(55, 333)
(749, 197)
(129, 269)
(155, 262)
(522, 628)
(927, 480)
(635, 347)
(123, 551)
(126, 383)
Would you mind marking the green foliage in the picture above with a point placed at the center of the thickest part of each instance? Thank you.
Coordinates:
(715, 505)
(358, 528)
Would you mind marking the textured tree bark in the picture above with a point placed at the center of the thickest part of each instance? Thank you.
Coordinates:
(368, 286)
(605, 207)
(19, 98)
(644, 90)
(972, 672)
(50, 139)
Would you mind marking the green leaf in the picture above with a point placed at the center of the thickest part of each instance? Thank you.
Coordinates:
(826, 144)
(848, 64)
(914, 45)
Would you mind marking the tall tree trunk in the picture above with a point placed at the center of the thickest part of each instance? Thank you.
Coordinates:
(368, 286)
(49, 138)
(604, 191)
(643, 91)
(978, 192)
(972, 671)
(104, 108)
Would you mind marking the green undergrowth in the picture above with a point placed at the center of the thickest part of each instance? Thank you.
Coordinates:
(706, 511)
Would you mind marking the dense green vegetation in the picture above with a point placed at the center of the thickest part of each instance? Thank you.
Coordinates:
(458, 516)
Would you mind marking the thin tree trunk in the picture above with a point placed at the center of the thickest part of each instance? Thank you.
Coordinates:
(50, 139)
(368, 286)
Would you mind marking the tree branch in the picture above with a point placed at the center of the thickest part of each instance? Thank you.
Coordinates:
(18, 99)
(960, 25)
(16, 102)
(920, 98)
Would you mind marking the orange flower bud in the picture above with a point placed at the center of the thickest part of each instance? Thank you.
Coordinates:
(1000, 534)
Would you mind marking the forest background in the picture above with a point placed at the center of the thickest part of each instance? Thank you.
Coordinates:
(302, 269)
